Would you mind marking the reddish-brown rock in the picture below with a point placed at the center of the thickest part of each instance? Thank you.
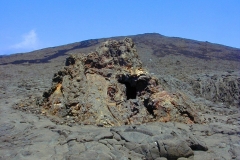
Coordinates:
(109, 87)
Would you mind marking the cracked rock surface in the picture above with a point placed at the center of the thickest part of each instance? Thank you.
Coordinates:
(50, 129)
(109, 87)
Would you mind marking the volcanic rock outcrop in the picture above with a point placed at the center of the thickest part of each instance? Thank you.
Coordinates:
(109, 87)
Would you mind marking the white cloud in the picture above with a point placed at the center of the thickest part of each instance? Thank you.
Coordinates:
(30, 41)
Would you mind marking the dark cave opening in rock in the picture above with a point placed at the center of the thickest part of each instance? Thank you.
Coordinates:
(134, 85)
(149, 107)
(131, 92)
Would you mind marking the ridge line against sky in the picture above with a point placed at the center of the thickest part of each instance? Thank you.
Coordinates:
(29, 25)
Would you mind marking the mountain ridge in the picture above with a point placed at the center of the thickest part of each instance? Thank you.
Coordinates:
(164, 46)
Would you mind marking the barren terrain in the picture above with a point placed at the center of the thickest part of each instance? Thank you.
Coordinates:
(207, 74)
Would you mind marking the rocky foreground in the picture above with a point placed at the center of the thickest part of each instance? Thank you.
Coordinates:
(106, 105)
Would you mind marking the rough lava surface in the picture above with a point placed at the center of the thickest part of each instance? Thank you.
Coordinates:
(105, 105)
(109, 87)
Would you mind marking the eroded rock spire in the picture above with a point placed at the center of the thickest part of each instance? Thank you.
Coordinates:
(109, 87)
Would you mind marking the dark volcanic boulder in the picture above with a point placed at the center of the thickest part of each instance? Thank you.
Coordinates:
(109, 87)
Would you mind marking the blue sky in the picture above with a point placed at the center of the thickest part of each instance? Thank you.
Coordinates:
(27, 25)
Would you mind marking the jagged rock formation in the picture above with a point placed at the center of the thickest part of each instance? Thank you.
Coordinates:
(208, 83)
(218, 87)
(109, 87)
